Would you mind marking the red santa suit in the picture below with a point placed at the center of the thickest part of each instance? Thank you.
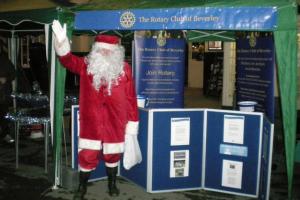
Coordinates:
(106, 115)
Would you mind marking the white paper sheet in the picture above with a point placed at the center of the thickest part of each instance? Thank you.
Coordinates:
(234, 129)
(180, 131)
(179, 163)
(232, 174)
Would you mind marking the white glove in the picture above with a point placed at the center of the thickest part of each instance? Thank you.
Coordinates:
(61, 42)
(59, 31)
(132, 153)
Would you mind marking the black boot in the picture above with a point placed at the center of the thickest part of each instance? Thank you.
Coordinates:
(112, 177)
(82, 187)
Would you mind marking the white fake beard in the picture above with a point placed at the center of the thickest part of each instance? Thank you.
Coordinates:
(105, 69)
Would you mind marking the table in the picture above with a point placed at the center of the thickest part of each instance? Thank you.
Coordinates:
(20, 120)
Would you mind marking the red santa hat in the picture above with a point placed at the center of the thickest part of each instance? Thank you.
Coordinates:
(107, 41)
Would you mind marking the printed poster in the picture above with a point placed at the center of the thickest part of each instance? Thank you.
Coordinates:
(179, 164)
(232, 174)
(234, 129)
(180, 131)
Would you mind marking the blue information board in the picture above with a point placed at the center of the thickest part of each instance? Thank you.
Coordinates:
(138, 173)
(255, 72)
(159, 71)
(187, 149)
(266, 159)
(162, 150)
(160, 170)
(214, 160)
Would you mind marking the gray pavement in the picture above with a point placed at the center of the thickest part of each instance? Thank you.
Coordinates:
(30, 182)
(131, 191)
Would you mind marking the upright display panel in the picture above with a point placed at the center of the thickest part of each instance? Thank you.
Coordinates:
(190, 149)
(232, 152)
(255, 59)
(171, 143)
(177, 147)
(159, 70)
(266, 159)
(138, 173)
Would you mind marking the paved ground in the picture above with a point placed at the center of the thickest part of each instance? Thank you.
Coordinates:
(31, 182)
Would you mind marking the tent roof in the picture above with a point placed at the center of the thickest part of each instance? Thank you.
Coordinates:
(14, 5)
(133, 4)
(41, 16)
(31, 20)
(129, 4)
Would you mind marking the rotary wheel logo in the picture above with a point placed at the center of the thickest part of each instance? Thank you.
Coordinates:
(127, 19)
(161, 41)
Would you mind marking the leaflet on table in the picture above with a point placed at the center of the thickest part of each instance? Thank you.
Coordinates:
(179, 163)
(180, 131)
(234, 129)
(232, 174)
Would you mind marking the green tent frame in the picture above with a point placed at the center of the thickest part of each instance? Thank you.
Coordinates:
(15, 22)
(285, 35)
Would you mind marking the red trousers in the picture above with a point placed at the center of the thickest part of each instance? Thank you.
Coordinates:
(89, 159)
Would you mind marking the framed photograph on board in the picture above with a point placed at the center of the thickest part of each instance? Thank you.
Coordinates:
(215, 46)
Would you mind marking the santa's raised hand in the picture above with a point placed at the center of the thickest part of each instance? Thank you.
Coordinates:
(61, 43)
(60, 31)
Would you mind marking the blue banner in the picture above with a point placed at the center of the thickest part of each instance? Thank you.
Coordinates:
(159, 71)
(204, 18)
(255, 72)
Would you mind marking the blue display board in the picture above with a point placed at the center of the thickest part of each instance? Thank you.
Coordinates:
(162, 150)
(138, 173)
(255, 60)
(215, 172)
(99, 172)
(169, 166)
(186, 149)
(159, 71)
(266, 159)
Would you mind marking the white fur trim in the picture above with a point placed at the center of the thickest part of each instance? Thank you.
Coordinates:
(111, 164)
(132, 128)
(106, 45)
(62, 48)
(89, 144)
(85, 170)
(111, 148)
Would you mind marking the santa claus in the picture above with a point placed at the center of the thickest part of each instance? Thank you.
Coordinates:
(107, 102)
